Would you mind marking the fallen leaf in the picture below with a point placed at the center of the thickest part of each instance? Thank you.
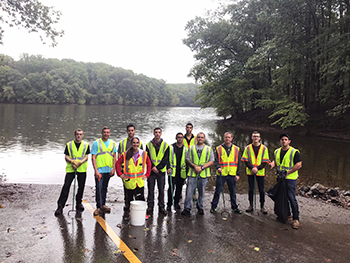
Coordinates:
(189, 241)
(274, 236)
(117, 251)
(298, 243)
(130, 236)
(224, 218)
(318, 223)
(85, 250)
(1, 206)
(328, 260)
(146, 229)
(256, 249)
(210, 251)
(43, 227)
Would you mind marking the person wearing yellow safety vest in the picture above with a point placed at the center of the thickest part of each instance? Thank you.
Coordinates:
(227, 164)
(104, 155)
(288, 159)
(158, 152)
(134, 167)
(76, 156)
(176, 171)
(199, 157)
(189, 138)
(255, 157)
(125, 145)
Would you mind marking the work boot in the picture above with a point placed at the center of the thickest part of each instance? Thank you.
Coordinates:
(79, 207)
(149, 210)
(200, 211)
(177, 207)
(106, 209)
(250, 207)
(186, 212)
(295, 224)
(237, 211)
(97, 212)
(162, 211)
(59, 210)
(168, 208)
(263, 210)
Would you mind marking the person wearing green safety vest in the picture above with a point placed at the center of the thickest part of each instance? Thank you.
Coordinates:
(227, 164)
(124, 145)
(189, 138)
(104, 155)
(288, 159)
(199, 157)
(134, 167)
(76, 156)
(158, 152)
(176, 171)
(255, 157)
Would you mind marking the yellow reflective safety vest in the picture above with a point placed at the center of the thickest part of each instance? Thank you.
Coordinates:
(134, 173)
(192, 142)
(122, 145)
(104, 156)
(205, 156)
(249, 156)
(229, 163)
(157, 158)
(287, 162)
(75, 154)
(173, 162)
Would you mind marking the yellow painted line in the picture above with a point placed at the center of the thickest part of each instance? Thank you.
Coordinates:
(110, 232)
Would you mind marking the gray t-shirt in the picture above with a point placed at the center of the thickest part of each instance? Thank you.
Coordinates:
(199, 150)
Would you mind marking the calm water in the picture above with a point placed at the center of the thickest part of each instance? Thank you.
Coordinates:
(33, 138)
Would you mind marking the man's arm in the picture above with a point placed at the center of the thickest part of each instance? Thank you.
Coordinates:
(112, 173)
(295, 168)
(165, 160)
(97, 173)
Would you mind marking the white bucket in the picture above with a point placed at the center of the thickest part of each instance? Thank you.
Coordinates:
(138, 212)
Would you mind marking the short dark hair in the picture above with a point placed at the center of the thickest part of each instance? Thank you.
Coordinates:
(75, 132)
(189, 124)
(179, 133)
(284, 135)
(157, 129)
(130, 126)
(105, 128)
(255, 132)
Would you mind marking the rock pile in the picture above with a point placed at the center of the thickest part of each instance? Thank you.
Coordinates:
(329, 195)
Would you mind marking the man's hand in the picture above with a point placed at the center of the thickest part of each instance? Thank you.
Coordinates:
(198, 169)
(254, 170)
(112, 173)
(122, 176)
(98, 176)
(272, 164)
(220, 170)
(144, 177)
(155, 170)
(236, 178)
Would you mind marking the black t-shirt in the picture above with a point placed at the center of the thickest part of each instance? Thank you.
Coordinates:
(77, 145)
(297, 156)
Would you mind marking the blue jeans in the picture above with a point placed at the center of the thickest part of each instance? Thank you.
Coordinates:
(102, 186)
(291, 185)
(192, 184)
(220, 182)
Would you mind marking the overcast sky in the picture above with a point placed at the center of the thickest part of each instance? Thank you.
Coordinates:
(142, 35)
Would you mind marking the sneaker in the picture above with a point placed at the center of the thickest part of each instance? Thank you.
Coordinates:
(59, 210)
(149, 210)
(200, 211)
(126, 208)
(162, 211)
(213, 210)
(79, 207)
(168, 208)
(295, 224)
(263, 210)
(106, 209)
(186, 212)
(177, 207)
(237, 211)
(249, 209)
(97, 212)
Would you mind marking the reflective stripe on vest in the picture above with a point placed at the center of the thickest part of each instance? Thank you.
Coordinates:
(123, 143)
(203, 160)
(173, 161)
(134, 173)
(104, 156)
(75, 154)
(229, 163)
(192, 142)
(157, 158)
(287, 162)
(249, 155)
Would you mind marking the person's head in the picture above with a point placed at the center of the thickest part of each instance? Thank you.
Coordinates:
(189, 128)
(157, 132)
(228, 137)
(179, 138)
(135, 144)
(130, 130)
(255, 137)
(106, 132)
(285, 140)
(200, 138)
(78, 134)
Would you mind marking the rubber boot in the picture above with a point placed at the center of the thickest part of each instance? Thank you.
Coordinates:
(250, 208)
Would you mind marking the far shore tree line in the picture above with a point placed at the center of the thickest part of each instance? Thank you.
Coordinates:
(37, 80)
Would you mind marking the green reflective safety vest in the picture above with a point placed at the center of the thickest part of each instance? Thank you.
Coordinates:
(104, 156)
(205, 156)
(173, 162)
(75, 154)
(249, 156)
(229, 163)
(192, 142)
(157, 158)
(134, 173)
(122, 145)
(287, 162)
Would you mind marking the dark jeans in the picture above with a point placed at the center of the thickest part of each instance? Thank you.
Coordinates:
(135, 194)
(81, 177)
(220, 182)
(291, 185)
(151, 182)
(102, 186)
(260, 180)
(177, 183)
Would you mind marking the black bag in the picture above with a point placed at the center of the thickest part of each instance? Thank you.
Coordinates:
(278, 193)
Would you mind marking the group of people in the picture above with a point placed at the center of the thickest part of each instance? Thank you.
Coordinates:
(188, 158)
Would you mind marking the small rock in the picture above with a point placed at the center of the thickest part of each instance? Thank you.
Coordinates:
(332, 192)
(347, 193)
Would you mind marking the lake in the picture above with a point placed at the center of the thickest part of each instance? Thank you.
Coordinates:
(33, 138)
